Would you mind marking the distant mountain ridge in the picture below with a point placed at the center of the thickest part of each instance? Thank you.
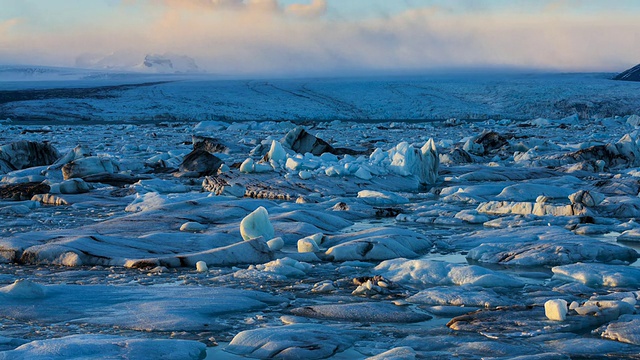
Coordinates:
(632, 74)
(167, 63)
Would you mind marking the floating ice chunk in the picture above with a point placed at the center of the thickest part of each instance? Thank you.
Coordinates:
(631, 235)
(86, 166)
(399, 353)
(378, 156)
(599, 274)
(23, 289)
(551, 252)
(423, 163)
(201, 266)
(363, 312)
(294, 163)
(377, 244)
(16, 179)
(464, 295)
(307, 244)
(148, 201)
(335, 171)
(210, 126)
(471, 216)
(159, 186)
(71, 186)
(256, 225)
(262, 167)
(530, 191)
(77, 153)
(305, 175)
(96, 347)
(297, 341)
(329, 158)
(473, 147)
(279, 269)
(629, 147)
(247, 166)
(587, 309)
(633, 120)
(286, 266)
(586, 198)
(363, 173)
(442, 273)
(381, 198)
(626, 329)
(192, 226)
(276, 153)
(528, 208)
(68, 258)
(246, 252)
(275, 244)
(323, 287)
(556, 309)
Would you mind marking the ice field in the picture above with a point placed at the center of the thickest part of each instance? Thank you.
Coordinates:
(456, 216)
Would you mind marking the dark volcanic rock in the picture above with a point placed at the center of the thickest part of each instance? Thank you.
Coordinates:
(491, 141)
(112, 179)
(208, 144)
(21, 192)
(608, 153)
(300, 141)
(200, 163)
(632, 74)
(458, 156)
(25, 154)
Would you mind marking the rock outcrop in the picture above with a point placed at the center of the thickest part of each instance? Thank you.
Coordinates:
(632, 74)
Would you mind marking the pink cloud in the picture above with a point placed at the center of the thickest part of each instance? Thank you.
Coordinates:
(259, 37)
(314, 9)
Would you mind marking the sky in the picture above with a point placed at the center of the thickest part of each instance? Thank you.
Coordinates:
(316, 37)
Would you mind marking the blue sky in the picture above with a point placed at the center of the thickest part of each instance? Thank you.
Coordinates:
(325, 36)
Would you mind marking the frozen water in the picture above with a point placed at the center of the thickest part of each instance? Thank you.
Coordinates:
(441, 273)
(257, 224)
(297, 341)
(556, 309)
(130, 250)
(104, 346)
(599, 275)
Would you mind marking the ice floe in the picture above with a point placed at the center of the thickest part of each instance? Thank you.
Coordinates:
(428, 272)
(106, 346)
(599, 275)
(297, 341)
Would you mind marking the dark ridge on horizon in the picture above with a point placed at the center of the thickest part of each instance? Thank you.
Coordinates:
(100, 92)
(632, 74)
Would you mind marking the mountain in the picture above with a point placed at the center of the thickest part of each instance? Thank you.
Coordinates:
(167, 63)
(632, 74)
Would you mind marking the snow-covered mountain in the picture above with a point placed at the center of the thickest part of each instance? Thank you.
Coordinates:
(167, 63)
(632, 74)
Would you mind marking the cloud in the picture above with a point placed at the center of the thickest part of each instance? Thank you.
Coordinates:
(8, 25)
(199, 5)
(261, 37)
(314, 9)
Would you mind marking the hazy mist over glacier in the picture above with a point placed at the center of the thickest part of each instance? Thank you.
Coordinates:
(324, 37)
